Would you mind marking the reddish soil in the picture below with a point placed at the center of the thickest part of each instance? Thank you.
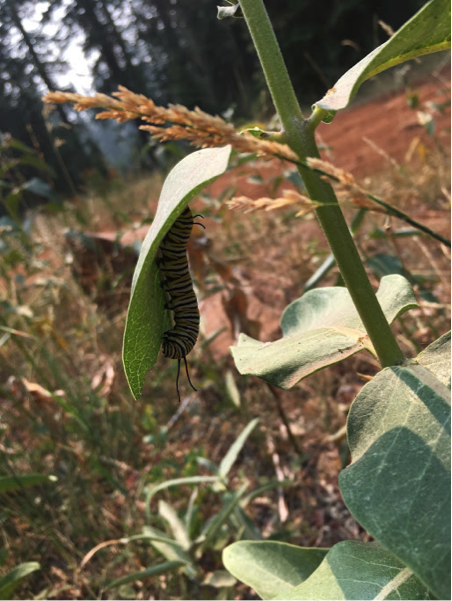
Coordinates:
(363, 140)
(389, 124)
(395, 133)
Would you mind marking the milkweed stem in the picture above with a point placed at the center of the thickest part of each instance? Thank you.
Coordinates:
(299, 134)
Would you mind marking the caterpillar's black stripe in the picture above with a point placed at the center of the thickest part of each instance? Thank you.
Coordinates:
(180, 340)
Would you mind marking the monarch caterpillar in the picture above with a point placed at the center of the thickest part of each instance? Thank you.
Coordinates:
(180, 340)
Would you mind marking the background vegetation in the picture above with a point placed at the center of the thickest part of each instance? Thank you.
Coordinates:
(170, 51)
(68, 240)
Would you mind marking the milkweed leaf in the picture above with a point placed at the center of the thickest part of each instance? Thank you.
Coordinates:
(146, 317)
(428, 31)
(319, 329)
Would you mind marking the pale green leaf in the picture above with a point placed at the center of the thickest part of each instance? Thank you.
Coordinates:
(219, 579)
(175, 523)
(160, 568)
(271, 568)
(12, 579)
(234, 450)
(398, 485)
(147, 319)
(152, 490)
(231, 388)
(436, 358)
(41, 188)
(8, 483)
(170, 551)
(355, 570)
(319, 329)
(428, 31)
(212, 528)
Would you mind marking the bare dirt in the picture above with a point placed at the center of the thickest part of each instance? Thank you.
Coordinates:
(383, 135)
(388, 125)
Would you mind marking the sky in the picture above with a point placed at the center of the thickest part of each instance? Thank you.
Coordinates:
(79, 72)
(117, 144)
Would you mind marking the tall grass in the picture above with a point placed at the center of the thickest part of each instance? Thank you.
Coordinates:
(67, 411)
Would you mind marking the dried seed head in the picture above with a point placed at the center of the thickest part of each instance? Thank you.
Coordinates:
(175, 122)
(289, 197)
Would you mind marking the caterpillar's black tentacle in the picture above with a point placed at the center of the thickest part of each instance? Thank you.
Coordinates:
(177, 379)
(186, 369)
(180, 340)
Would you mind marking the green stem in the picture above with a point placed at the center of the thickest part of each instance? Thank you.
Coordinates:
(269, 53)
(316, 117)
(390, 210)
(300, 137)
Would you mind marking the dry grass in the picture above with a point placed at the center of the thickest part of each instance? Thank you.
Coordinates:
(199, 128)
(104, 447)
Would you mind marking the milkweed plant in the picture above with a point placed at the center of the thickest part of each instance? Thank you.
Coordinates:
(397, 485)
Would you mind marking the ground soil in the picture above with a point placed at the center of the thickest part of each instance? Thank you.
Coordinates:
(255, 291)
(366, 139)
(388, 124)
(376, 137)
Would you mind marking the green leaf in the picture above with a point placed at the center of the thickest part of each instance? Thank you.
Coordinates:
(355, 570)
(436, 358)
(161, 568)
(231, 389)
(152, 490)
(191, 512)
(157, 536)
(272, 569)
(213, 527)
(428, 31)
(175, 523)
(404, 232)
(147, 319)
(8, 483)
(12, 201)
(170, 551)
(34, 161)
(259, 490)
(11, 580)
(219, 579)
(19, 146)
(319, 329)
(234, 450)
(383, 264)
(243, 525)
(258, 133)
(320, 273)
(126, 591)
(41, 188)
(209, 465)
(398, 485)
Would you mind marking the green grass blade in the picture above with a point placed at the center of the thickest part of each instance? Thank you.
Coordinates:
(161, 568)
(8, 483)
(233, 452)
(12, 579)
